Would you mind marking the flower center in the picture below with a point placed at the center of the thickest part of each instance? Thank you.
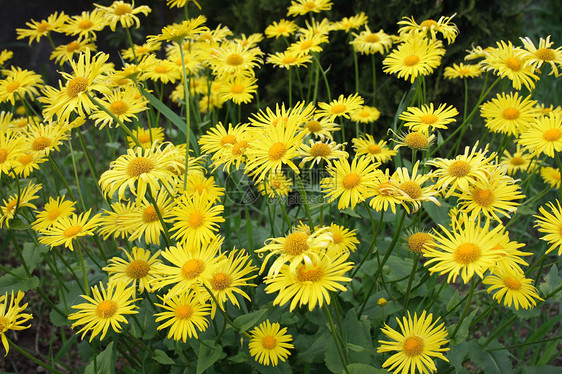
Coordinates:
(374, 149)
(3, 155)
(228, 139)
(160, 69)
(12, 86)
(482, 197)
(372, 38)
(85, 24)
(295, 243)
(552, 135)
(413, 346)
(545, 54)
(513, 63)
(237, 89)
(510, 113)
(240, 147)
(195, 220)
(428, 23)
(183, 312)
(313, 126)
(40, 143)
(269, 342)
(281, 29)
(338, 237)
(138, 166)
(338, 109)
(313, 274)
(429, 119)
(221, 281)
(144, 138)
(512, 283)
(11, 205)
(118, 108)
(459, 168)
(76, 85)
(416, 140)
(122, 9)
(54, 214)
(411, 60)
(289, 60)
(463, 71)
(277, 151)
(3, 324)
(137, 269)
(235, 59)
(106, 309)
(306, 45)
(149, 215)
(310, 5)
(467, 253)
(387, 189)
(417, 241)
(516, 161)
(43, 26)
(25, 159)
(412, 189)
(351, 180)
(72, 46)
(72, 231)
(192, 268)
(320, 150)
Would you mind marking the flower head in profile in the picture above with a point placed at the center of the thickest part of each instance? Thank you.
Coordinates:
(11, 316)
(282, 28)
(123, 13)
(5, 55)
(302, 7)
(518, 161)
(340, 107)
(106, 308)
(419, 340)
(513, 287)
(275, 185)
(368, 42)
(366, 114)
(551, 176)
(9, 207)
(270, 343)
(37, 29)
(178, 32)
(430, 28)
(353, 22)
(462, 71)
(549, 223)
(288, 59)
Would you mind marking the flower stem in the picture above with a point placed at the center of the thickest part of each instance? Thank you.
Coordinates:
(465, 310)
(334, 335)
(49, 368)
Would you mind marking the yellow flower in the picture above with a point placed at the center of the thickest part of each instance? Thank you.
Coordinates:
(543, 136)
(366, 114)
(419, 340)
(411, 187)
(106, 308)
(185, 314)
(66, 52)
(53, 211)
(427, 118)
(509, 114)
(5, 55)
(288, 59)
(385, 193)
(69, 228)
(85, 25)
(430, 27)
(318, 151)
(308, 42)
(239, 89)
(143, 50)
(343, 239)
(520, 160)
(159, 70)
(124, 13)
(270, 343)
(321, 128)
(124, 104)
(462, 71)
(235, 59)
(19, 83)
(281, 28)
(369, 43)
(549, 223)
(353, 22)
(11, 316)
(417, 241)
(39, 29)
(15, 202)
(275, 185)
(137, 268)
(12, 146)
(340, 107)
(146, 137)
(551, 176)
(111, 220)
(302, 7)
(544, 54)
(513, 287)
(179, 31)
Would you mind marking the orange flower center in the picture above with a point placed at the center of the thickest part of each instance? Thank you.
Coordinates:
(289, 60)
(466, 253)
(25, 159)
(40, 143)
(306, 45)
(228, 139)
(4, 324)
(351, 180)
(85, 24)
(269, 342)
(413, 346)
(418, 240)
(416, 140)
(277, 151)
(240, 147)
(137, 269)
(295, 243)
(428, 23)
(237, 89)
(122, 9)
(412, 189)
(552, 135)
(160, 69)
(313, 126)
(235, 59)
(106, 309)
(118, 108)
(149, 215)
(192, 268)
(338, 237)
(12, 86)
(313, 274)
(138, 166)
(374, 149)
(195, 220)
(463, 71)
(310, 5)
(545, 54)
(43, 26)
(72, 231)
(411, 60)
(3, 155)
(429, 119)
(72, 46)
(338, 109)
(183, 312)
(512, 283)
(76, 85)
(320, 150)
(144, 138)
(510, 113)
(459, 169)
(54, 214)
(372, 38)
(221, 281)
(516, 161)
(482, 197)
(513, 64)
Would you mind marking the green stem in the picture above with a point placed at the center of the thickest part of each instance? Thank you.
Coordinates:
(223, 312)
(304, 199)
(83, 266)
(187, 116)
(34, 359)
(334, 335)
(410, 280)
(465, 310)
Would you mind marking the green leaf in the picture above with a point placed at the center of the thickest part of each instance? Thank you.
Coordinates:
(439, 215)
(490, 362)
(358, 335)
(541, 370)
(208, 356)
(546, 354)
(314, 352)
(457, 355)
(33, 254)
(246, 321)
(114, 145)
(17, 281)
(332, 357)
(172, 116)
(551, 281)
(103, 362)
(57, 319)
(356, 368)
(18, 224)
(350, 212)
(162, 357)
(453, 301)
(463, 330)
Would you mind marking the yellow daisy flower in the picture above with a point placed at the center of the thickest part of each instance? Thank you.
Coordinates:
(15, 202)
(549, 223)
(298, 113)
(415, 140)
(5, 55)
(302, 7)
(12, 146)
(544, 54)
(321, 128)
(519, 161)
(25, 164)
(137, 268)
(66, 52)
(385, 193)
(123, 13)
(416, 241)
(141, 51)
(282, 28)
(85, 25)
(551, 176)
(509, 114)
(353, 22)
(376, 151)
(106, 308)
(419, 340)
(53, 211)
(177, 32)
(270, 343)
(307, 43)
(543, 136)
(143, 222)
(288, 59)
(369, 43)
(11, 316)
(430, 27)
(19, 82)
(340, 107)
(410, 185)
(343, 239)
(185, 314)
(235, 59)
(510, 255)
(512, 286)
(366, 114)
(239, 89)
(318, 151)
(275, 185)
(462, 71)
(146, 137)
(124, 104)
(37, 29)
(427, 118)
(111, 222)
(69, 228)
